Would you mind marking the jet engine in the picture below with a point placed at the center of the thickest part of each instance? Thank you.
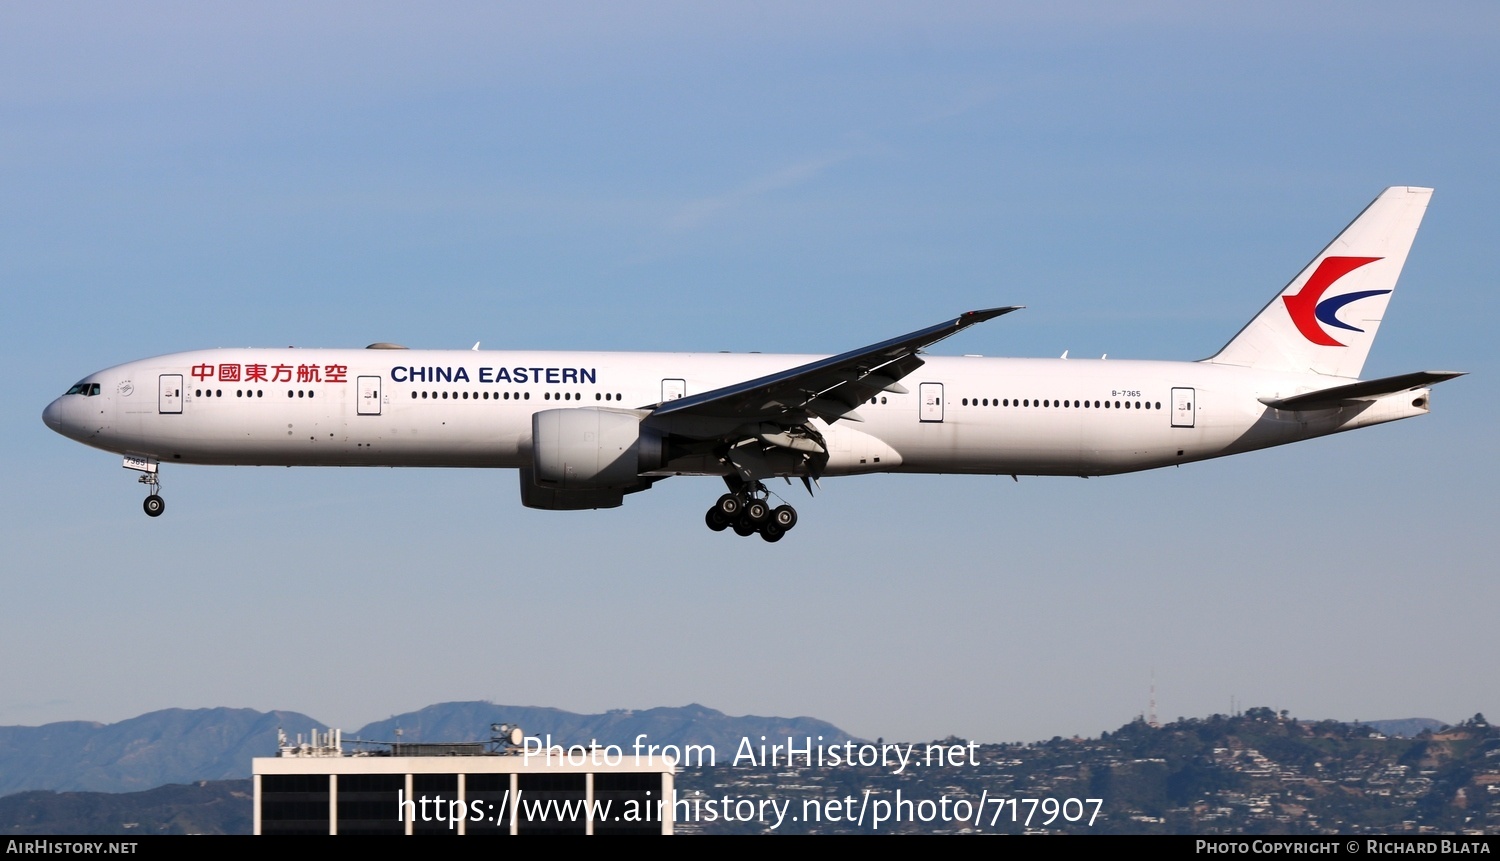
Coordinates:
(590, 448)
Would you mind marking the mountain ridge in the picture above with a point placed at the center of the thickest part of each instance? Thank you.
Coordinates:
(172, 746)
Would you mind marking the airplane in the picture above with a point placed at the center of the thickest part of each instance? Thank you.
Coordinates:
(585, 429)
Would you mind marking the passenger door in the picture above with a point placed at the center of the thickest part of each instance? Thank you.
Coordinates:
(169, 395)
(931, 395)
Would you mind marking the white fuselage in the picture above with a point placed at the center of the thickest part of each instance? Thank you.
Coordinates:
(375, 407)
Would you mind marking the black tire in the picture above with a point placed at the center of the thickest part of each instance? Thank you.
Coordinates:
(729, 505)
(154, 505)
(771, 532)
(757, 510)
(715, 520)
(744, 528)
(784, 516)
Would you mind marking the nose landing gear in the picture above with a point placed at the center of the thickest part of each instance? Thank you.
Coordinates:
(154, 504)
(747, 511)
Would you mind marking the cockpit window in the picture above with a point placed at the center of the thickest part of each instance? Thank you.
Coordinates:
(85, 389)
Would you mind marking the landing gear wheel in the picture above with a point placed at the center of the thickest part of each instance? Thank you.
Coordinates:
(744, 528)
(729, 505)
(771, 532)
(785, 517)
(716, 521)
(154, 505)
(757, 510)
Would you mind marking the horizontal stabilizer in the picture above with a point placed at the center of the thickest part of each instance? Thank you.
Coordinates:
(1338, 396)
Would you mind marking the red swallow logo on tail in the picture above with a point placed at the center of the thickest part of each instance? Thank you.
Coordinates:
(1307, 311)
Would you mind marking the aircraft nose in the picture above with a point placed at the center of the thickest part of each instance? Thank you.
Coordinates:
(53, 415)
(63, 416)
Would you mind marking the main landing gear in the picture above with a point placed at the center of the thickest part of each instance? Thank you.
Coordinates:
(747, 510)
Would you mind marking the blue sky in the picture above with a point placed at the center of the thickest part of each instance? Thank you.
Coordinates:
(775, 177)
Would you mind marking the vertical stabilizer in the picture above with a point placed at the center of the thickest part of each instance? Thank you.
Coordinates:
(1326, 319)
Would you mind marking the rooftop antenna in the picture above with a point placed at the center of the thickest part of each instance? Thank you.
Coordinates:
(1151, 716)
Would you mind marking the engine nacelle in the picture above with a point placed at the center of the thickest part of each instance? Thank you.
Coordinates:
(589, 448)
(534, 495)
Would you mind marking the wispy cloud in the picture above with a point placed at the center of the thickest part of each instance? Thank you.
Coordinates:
(962, 102)
(696, 212)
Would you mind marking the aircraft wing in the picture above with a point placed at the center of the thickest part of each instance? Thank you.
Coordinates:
(829, 388)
